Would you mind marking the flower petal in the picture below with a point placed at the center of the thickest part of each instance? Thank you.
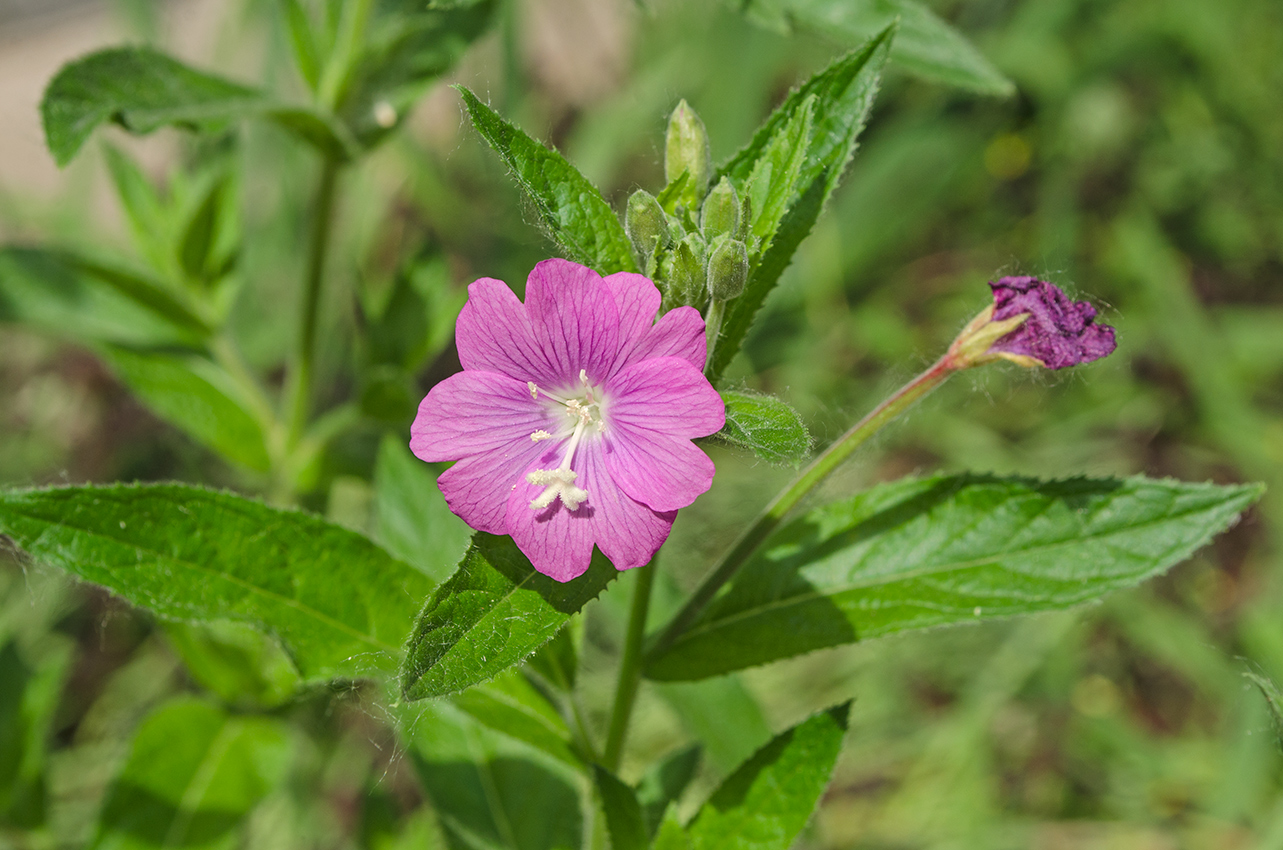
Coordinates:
(574, 319)
(494, 334)
(1059, 332)
(559, 542)
(660, 471)
(473, 412)
(666, 395)
(478, 487)
(637, 300)
(678, 333)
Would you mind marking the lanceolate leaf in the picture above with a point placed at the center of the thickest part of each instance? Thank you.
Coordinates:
(340, 605)
(511, 705)
(623, 812)
(842, 96)
(194, 772)
(576, 215)
(411, 518)
(950, 549)
(197, 396)
(766, 426)
(494, 612)
(926, 45)
(767, 801)
(142, 90)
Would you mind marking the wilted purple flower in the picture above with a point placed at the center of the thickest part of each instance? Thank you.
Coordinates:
(573, 416)
(1058, 332)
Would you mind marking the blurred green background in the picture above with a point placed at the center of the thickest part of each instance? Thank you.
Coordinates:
(1139, 165)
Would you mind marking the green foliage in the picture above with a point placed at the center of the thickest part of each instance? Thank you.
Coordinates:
(623, 811)
(919, 553)
(767, 801)
(577, 217)
(772, 184)
(241, 665)
(28, 701)
(1273, 700)
(557, 661)
(340, 605)
(493, 613)
(722, 715)
(766, 426)
(193, 773)
(488, 790)
(198, 397)
(926, 45)
(512, 706)
(411, 518)
(841, 97)
(663, 784)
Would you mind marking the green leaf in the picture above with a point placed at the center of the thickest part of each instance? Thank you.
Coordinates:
(340, 605)
(577, 217)
(72, 298)
(198, 397)
(198, 248)
(557, 661)
(1273, 700)
(307, 55)
(843, 94)
(30, 690)
(193, 773)
(142, 90)
(773, 183)
(929, 552)
(664, 783)
(236, 662)
(494, 612)
(926, 45)
(142, 204)
(767, 801)
(721, 714)
(623, 812)
(411, 518)
(510, 705)
(766, 426)
(489, 791)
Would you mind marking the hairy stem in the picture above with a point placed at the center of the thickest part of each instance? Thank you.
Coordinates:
(774, 513)
(299, 386)
(713, 328)
(629, 668)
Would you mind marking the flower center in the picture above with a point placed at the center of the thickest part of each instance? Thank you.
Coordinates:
(583, 408)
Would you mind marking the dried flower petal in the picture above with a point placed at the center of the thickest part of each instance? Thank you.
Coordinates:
(1058, 332)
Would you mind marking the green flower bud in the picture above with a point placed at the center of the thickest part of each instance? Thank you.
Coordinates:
(686, 272)
(646, 224)
(686, 151)
(727, 269)
(721, 213)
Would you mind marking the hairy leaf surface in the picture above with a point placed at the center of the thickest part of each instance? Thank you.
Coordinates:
(929, 552)
(766, 426)
(340, 605)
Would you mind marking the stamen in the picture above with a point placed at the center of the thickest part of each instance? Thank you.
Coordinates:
(534, 391)
(540, 435)
(560, 482)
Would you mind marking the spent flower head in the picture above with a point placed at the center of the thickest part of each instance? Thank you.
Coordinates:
(1035, 324)
(573, 417)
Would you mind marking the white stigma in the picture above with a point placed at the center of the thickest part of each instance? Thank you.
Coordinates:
(559, 483)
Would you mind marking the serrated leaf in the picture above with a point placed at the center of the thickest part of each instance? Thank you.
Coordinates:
(623, 812)
(142, 90)
(767, 801)
(511, 706)
(843, 95)
(926, 45)
(928, 552)
(73, 298)
(766, 426)
(411, 518)
(773, 182)
(489, 791)
(340, 605)
(193, 773)
(492, 614)
(198, 397)
(576, 215)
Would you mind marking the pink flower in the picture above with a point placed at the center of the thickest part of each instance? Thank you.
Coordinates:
(1058, 332)
(573, 416)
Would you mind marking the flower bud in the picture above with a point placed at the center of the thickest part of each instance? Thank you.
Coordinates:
(686, 151)
(721, 213)
(646, 224)
(686, 272)
(727, 269)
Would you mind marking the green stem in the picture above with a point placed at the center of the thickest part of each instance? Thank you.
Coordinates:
(788, 498)
(629, 669)
(299, 390)
(713, 328)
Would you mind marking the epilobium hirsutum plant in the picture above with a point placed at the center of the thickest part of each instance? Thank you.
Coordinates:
(576, 430)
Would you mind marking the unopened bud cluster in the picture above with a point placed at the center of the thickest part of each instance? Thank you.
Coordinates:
(691, 240)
